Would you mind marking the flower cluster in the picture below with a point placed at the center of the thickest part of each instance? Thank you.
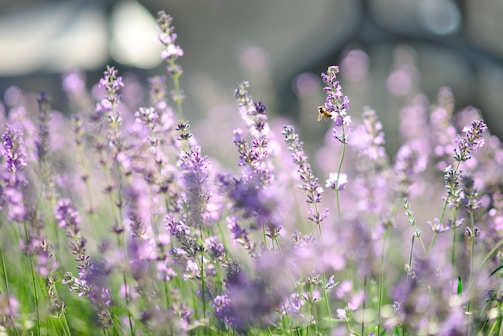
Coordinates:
(470, 142)
(168, 38)
(336, 103)
(13, 179)
(310, 183)
(134, 227)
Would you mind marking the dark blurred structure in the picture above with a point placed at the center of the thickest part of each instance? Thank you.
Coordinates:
(456, 43)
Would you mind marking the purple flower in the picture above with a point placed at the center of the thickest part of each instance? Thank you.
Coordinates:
(469, 194)
(14, 154)
(67, 216)
(471, 142)
(336, 182)
(443, 132)
(9, 310)
(14, 162)
(251, 202)
(168, 37)
(176, 228)
(368, 139)
(253, 155)
(112, 84)
(195, 170)
(223, 309)
(182, 127)
(309, 182)
(157, 93)
(216, 249)
(336, 103)
(109, 106)
(172, 51)
(452, 184)
(409, 163)
(148, 116)
(240, 235)
(74, 83)
(99, 294)
(250, 301)
(43, 134)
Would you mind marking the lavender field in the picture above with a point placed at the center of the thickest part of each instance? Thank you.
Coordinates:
(116, 221)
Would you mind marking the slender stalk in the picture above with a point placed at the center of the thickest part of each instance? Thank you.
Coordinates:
(35, 293)
(178, 95)
(325, 296)
(492, 252)
(203, 283)
(339, 168)
(7, 293)
(410, 254)
(453, 252)
(364, 302)
(472, 257)
(442, 213)
(497, 324)
(381, 282)
(472, 252)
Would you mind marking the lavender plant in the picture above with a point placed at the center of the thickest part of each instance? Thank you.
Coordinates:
(132, 228)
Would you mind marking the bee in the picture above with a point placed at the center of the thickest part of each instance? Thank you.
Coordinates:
(323, 113)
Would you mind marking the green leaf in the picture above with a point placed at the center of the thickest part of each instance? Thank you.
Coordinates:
(500, 266)
(460, 285)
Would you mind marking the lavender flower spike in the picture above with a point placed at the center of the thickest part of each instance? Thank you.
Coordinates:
(470, 142)
(168, 37)
(310, 183)
(14, 159)
(336, 103)
(14, 153)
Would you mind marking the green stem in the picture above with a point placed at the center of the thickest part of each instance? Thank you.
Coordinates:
(472, 253)
(35, 292)
(6, 280)
(177, 96)
(444, 207)
(33, 279)
(364, 303)
(325, 296)
(492, 252)
(453, 251)
(339, 168)
(327, 304)
(203, 283)
(381, 282)
(410, 255)
(497, 324)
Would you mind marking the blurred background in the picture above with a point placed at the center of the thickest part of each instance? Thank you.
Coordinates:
(388, 50)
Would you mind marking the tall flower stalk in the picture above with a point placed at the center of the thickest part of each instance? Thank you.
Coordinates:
(309, 182)
(464, 147)
(337, 106)
(109, 106)
(170, 54)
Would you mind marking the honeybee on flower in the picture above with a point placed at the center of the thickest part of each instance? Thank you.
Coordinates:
(323, 113)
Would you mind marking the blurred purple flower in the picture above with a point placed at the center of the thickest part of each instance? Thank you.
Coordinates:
(14, 154)
(171, 51)
(411, 160)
